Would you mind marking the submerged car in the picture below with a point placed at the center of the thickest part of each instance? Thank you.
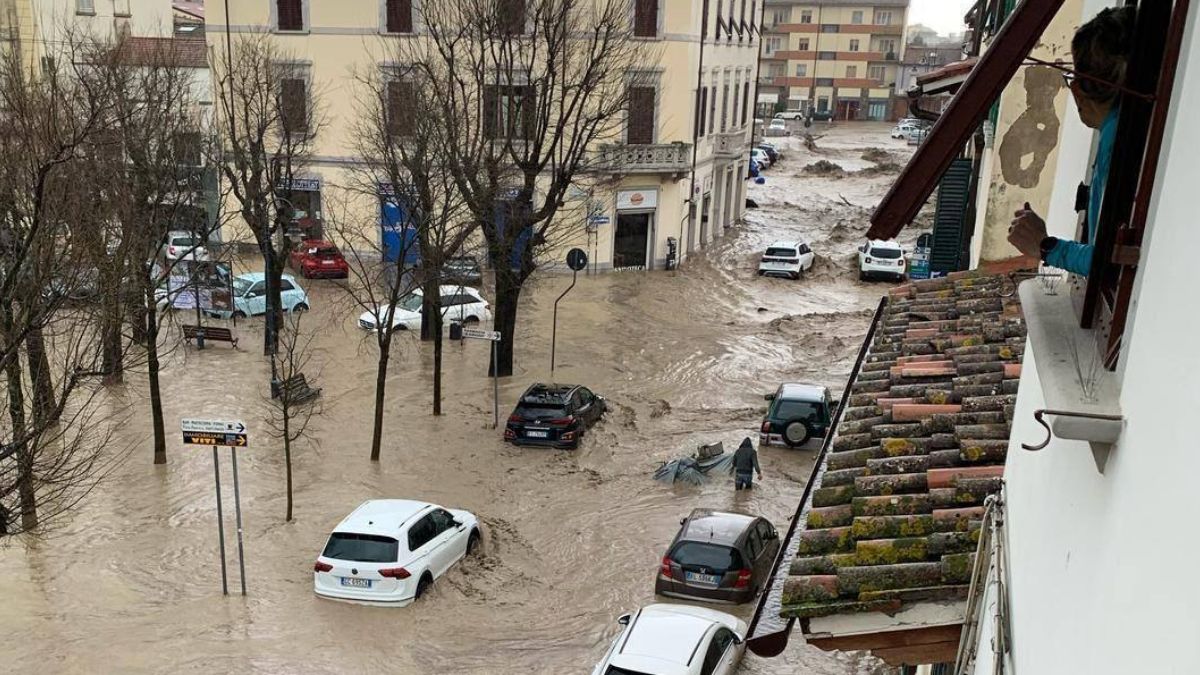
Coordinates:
(666, 639)
(797, 413)
(718, 556)
(878, 258)
(554, 414)
(389, 551)
(759, 155)
(319, 259)
(250, 296)
(185, 246)
(459, 303)
(462, 270)
(789, 259)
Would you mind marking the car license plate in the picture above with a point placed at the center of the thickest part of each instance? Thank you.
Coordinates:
(537, 433)
(326, 262)
(695, 578)
(356, 583)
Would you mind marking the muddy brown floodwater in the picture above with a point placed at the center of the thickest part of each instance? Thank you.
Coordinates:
(131, 582)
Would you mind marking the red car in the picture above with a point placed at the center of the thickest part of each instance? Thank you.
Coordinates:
(319, 259)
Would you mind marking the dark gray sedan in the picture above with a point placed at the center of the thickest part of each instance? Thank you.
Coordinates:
(718, 556)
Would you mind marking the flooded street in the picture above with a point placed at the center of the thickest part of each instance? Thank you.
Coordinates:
(131, 582)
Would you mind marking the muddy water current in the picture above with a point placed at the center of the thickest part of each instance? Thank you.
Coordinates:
(131, 581)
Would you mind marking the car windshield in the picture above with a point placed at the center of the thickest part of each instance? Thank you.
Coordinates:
(461, 263)
(781, 253)
(368, 548)
(411, 302)
(791, 410)
(885, 253)
(614, 670)
(240, 285)
(541, 410)
(326, 252)
(182, 241)
(712, 556)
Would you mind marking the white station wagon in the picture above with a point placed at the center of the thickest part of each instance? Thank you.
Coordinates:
(789, 259)
(459, 303)
(389, 551)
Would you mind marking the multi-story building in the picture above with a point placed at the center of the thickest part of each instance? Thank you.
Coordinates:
(675, 178)
(921, 59)
(836, 56)
(35, 27)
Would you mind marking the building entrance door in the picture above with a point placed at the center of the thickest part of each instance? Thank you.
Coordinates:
(631, 241)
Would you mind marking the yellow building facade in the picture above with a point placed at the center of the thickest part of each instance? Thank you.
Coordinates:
(835, 56)
(671, 188)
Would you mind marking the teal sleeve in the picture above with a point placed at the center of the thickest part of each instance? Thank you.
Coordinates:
(1071, 256)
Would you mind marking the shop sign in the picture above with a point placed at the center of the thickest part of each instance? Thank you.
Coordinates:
(637, 199)
(300, 185)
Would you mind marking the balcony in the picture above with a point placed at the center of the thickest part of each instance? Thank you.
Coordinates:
(655, 158)
(729, 145)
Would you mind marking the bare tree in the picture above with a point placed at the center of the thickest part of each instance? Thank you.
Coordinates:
(290, 413)
(521, 93)
(53, 436)
(269, 117)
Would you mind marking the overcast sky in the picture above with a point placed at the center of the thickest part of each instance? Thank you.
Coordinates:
(944, 16)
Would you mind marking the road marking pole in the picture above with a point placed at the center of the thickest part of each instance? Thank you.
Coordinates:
(220, 522)
(495, 389)
(237, 507)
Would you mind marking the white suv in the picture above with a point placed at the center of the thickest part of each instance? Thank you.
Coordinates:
(789, 259)
(665, 639)
(878, 258)
(389, 551)
(459, 303)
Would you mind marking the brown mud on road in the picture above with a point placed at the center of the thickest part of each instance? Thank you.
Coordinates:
(131, 583)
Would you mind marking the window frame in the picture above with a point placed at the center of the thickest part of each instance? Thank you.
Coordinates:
(635, 10)
(637, 81)
(852, 72)
(305, 24)
(801, 70)
(294, 72)
(426, 523)
(804, 44)
(806, 16)
(885, 13)
(855, 45)
(396, 124)
(856, 17)
(88, 10)
(121, 9)
(496, 127)
(385, 28)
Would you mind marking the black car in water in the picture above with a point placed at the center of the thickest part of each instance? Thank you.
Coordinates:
(553, 414)
(718, 556)
(797, 413)
(462, 270)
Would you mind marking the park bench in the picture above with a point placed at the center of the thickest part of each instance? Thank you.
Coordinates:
(295, 388)
(214, 333)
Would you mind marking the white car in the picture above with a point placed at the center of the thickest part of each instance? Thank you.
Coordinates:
(877, 258)
(664, 639)
(759, 155)
(790, 115)
(459, 303)
(185, 246)
(388, 551)
(789, 259)
(778, 125)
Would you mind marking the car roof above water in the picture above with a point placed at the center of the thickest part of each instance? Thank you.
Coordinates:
(383, 517)
(717, 527)
(794, 391)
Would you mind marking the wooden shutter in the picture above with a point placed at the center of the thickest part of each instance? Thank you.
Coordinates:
(745, 100)
(293, 94)
(511, 16)
(529, 111)
(399, 16)
(949, 219)
(491, 110)
(645, 22)
(641, 116)
(701, 99)
(400, 95)
(291, 14)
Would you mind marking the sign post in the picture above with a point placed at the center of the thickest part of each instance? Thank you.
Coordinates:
(214, 433)
(576, 260)
(494, 337)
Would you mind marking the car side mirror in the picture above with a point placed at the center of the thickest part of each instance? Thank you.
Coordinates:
(773, 534)
(682, 521)
(458, 523)
(623, 619)
(768, 397)
(737, 640)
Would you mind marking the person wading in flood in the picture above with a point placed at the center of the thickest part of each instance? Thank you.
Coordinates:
(1100, 50)
(745, 465)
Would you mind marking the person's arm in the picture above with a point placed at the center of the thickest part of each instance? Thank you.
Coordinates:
(757, 468)
(1071, 256)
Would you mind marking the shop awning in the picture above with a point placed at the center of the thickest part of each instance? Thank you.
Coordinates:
(983, 86)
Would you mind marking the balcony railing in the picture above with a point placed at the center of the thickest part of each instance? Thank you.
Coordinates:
(730, 144)
(656, 158)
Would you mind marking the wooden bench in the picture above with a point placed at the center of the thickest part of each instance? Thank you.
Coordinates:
(297, 389)
(214, 333)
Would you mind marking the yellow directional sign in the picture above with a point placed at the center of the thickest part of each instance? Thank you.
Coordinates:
(211, 438)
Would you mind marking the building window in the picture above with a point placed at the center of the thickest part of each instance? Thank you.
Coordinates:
(888, 47)
(851, 72)
(806, 16)
(640, 124)
(776, 69)
(712, 109)
(802, 44)
(121, 8)
(511, 16)
(877, 73)
(400, 94)
(290, 14)
(188, 146)
(827, 56)
(773, 44)
(801, 70)
(724, 107)
(293, 104)
(645, 18)
(701, 111)
(704, 21)
(753, 16)
(85, 6)
(779, 16)
(830, 28)
(733, 118)
(856, 16)
(399, 16)
(883, 18)
(509, 111)
(745, 101)
(854, 45)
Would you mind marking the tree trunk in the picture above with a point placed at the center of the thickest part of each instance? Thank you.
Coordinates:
(152, 368)
(39, 372)
(274, 271)
(380, 390)
(16, 413)
(287, 457)
(112, 357)
(431, 329)
(508, 292)
(437, 361)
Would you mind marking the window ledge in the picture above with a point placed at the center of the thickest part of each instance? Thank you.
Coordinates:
(1058, 342)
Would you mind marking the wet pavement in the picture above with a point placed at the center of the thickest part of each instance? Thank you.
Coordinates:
(131, 582)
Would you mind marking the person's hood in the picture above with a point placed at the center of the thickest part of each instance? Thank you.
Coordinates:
(746, 444)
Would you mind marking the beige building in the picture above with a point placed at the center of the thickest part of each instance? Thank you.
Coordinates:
(37, 28)
(836, 56)
(678, 173)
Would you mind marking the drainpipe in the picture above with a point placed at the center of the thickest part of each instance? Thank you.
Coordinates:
(696, 116)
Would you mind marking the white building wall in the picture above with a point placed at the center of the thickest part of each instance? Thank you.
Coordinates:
(1103, 564)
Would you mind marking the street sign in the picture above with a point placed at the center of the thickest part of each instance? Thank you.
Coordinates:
(577, 259)
(476, 334)
(214, 432)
